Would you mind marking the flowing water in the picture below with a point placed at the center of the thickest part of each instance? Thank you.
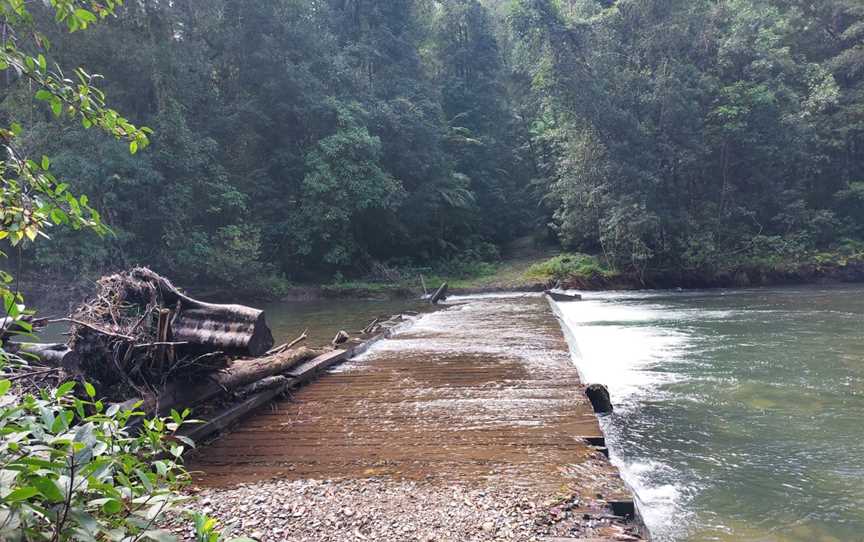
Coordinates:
(739, 414)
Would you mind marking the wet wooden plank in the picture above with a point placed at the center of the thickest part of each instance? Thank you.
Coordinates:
(300, 375)
(415, 411)
(305, 372)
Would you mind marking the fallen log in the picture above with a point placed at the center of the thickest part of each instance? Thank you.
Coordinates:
(229, 328)
(138, 330)
(262, 385)
(238, 373)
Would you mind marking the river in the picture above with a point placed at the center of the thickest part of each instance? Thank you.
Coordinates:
(738, 412)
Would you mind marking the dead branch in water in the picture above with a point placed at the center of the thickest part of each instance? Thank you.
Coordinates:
(286, 346)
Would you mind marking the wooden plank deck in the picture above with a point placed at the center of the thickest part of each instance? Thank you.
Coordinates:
(475, 394)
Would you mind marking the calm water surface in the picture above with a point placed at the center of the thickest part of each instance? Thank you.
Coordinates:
(740, 413)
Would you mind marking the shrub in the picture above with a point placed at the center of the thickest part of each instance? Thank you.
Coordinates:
(71, 470)
(566, 266)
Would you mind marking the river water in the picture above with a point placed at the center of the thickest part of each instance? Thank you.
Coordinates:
(739, 413)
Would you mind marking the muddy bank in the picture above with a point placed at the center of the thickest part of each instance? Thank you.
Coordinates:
(741, 276)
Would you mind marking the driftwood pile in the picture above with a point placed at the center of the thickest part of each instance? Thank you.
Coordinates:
(139, 330)
(138, 338)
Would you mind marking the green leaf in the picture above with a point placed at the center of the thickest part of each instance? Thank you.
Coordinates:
(56, 106)
(46, 163)
(112, 506)
(43, 65)
(133, 147)
(4, 387)
(58, 216)
(44, 95)
(21, 494)
(16, 128)
(49, 489)
(61, 422)
(90, 390)
(64, 389)
(85, 16)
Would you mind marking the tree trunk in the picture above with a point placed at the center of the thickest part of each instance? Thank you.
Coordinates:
(208, 326)
(237, 374)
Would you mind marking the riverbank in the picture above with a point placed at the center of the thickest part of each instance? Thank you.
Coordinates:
(531, 271)
(583, 272)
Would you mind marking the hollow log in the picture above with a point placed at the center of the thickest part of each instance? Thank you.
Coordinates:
(230, 328)
(237, 374)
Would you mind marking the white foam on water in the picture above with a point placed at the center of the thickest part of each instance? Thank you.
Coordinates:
(612, 344)
(609, 349)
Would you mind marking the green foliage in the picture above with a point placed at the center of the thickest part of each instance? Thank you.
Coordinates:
(568, 266)
(72, 470)
(321, 136)
(343, 183)
(32, 200)
(297, 140)
(675, 134)
(207, 530)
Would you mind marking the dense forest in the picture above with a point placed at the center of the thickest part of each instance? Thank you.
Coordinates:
(298, 140)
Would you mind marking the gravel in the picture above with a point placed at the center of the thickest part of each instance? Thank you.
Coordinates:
(390, 510)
